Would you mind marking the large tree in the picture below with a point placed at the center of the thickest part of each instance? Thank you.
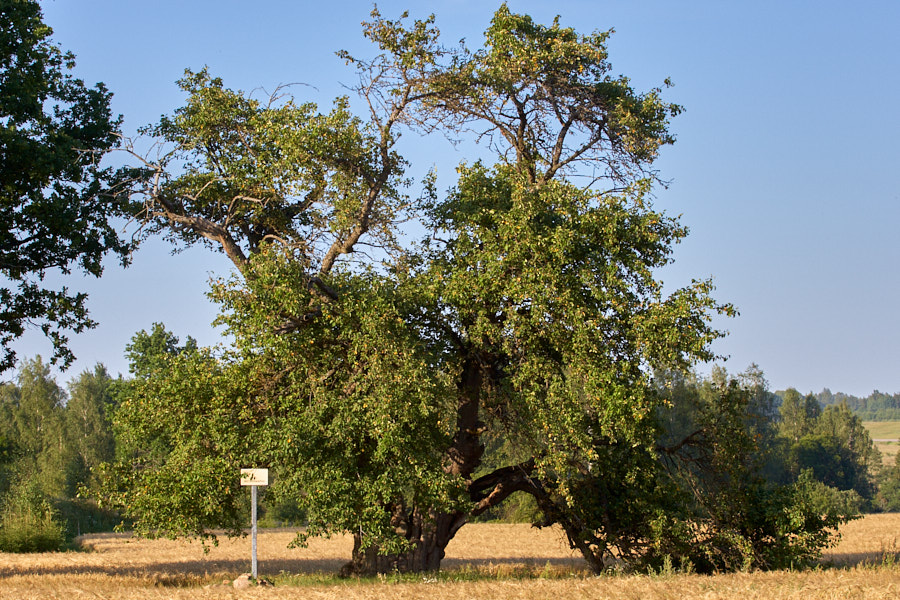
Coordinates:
(54, 216)
(372, 383)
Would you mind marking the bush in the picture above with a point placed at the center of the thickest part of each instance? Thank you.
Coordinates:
(28, 523)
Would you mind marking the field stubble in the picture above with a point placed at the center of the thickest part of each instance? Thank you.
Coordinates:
(886, 434)
(494, 561)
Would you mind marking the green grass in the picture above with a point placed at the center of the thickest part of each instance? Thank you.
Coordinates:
(465, 573)
(880, 430)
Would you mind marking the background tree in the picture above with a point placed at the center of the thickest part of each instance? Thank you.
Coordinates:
(148, 351)
(50, 444)
(37, 411)
(798, 414)
(54, 215)
(856, 454)
(877, 406)
(730, 507)
(87, 421)
(888, 497)
(832, 444)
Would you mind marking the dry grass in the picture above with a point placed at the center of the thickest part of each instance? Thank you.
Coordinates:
(883, 429)
(873, 540)
(889, 452)
(510, 561)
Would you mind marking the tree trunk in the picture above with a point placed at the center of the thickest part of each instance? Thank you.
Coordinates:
(428, 539)
(427, 531)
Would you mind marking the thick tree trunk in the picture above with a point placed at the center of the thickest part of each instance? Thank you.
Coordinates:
(428, 540)
(464, 454)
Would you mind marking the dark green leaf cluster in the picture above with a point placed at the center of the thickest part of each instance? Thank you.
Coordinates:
(720, 450)
(54, 207)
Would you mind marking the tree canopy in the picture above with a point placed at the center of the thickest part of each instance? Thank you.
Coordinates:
(54, 215)
(398, 394)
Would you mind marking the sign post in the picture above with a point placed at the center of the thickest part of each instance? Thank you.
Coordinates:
(253, 478)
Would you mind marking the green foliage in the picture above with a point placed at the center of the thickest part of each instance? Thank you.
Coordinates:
(181, 482)
(52, 443)
(81, 515)
(508, 352)
(252, 172)
(36, 407)
(54, 210)
(833, 445)
(282, 512)
(562, 81)
(798, 414)
(28, 522)
(707, 500)
(351, 431)
(148, 351)
(888, 497)
(87, 421)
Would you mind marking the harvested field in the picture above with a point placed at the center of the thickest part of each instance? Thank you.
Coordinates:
(485, 561)
(889, 452)
(886, 435)
(883, 429)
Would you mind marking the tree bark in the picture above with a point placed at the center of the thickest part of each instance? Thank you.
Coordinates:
(428, 531)
(428, 537)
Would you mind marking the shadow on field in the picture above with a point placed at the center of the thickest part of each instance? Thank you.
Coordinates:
(854, 559)
(186, 572)
(176, 570)
(449, 564)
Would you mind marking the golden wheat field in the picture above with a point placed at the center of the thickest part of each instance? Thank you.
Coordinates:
(491, 561)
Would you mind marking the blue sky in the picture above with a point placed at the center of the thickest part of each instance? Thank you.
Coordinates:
(786, 166)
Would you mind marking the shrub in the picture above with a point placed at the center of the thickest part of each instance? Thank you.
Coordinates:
(28, 523)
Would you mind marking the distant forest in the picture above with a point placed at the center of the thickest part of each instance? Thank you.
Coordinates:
(877, 406)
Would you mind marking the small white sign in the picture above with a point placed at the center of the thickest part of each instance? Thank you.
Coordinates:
(254, 477)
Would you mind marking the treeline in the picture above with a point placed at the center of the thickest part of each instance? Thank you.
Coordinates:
(55, 440)
(877, 406)
(52, 439)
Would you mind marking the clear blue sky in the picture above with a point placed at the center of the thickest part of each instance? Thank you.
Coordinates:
(786, 166)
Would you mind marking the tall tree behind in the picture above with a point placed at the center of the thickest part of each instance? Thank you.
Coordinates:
(798, 414)
(54, 215)
(36, 407)
(88, 430)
